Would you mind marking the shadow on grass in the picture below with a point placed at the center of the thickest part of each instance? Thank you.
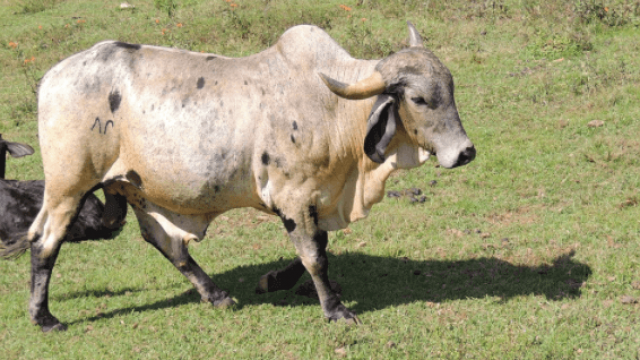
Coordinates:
(374, 282)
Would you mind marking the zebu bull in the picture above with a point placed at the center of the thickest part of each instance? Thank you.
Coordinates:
(184, 137)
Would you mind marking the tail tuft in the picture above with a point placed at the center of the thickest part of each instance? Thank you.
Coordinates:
(15, 246)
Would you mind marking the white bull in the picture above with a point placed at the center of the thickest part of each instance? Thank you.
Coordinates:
(301, 130)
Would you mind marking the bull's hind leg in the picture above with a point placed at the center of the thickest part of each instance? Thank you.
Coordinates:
(172, 241)
(46, 235)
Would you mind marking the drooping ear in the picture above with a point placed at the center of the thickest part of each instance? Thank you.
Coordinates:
(415, 40)
(381, 127)
(18, 150)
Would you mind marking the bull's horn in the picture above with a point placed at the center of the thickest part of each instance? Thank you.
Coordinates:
(415, 40)
(365, 88)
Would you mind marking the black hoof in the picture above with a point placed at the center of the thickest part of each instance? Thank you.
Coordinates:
(341, 313)
(49, 323)
(263, 283)
(55, 327)
(224, 303)
(347, 320)
(219, 299)
(276, 281)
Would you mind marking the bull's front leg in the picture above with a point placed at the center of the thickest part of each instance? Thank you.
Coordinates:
(311, 246)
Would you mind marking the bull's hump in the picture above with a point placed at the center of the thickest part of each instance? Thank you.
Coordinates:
(305, 43)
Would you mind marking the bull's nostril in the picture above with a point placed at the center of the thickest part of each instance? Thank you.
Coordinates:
(466, 156)
(471, 152)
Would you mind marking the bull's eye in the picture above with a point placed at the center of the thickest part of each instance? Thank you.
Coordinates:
(419, 101)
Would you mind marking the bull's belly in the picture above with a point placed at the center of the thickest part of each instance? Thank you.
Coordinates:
(183, 192)
(182, 199)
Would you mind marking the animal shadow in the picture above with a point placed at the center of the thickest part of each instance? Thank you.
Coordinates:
(375, 282)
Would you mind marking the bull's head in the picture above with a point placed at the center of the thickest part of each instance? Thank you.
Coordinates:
(15, 149)
(415, 91)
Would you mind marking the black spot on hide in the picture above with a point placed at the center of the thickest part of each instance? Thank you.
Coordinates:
(245, 82)
(415, 131)
(127, 45)
(114, 100)
(265, 158)
(209, 58)
(293, 140)
(313, 212)
(84, 63)
(289, 224)
(216, 83)
(200, 83)
(134, 178)
(295, 125)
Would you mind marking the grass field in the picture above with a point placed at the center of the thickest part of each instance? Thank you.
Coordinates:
(530, 252)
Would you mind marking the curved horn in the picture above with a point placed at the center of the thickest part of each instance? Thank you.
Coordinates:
(365, 88)
(415, 40)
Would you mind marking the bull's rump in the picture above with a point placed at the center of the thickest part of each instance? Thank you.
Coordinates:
(172, 117)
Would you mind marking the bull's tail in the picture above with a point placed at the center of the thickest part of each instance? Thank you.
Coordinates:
(15, 246)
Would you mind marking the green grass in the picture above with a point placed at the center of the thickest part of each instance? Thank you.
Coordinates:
(526, 253)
